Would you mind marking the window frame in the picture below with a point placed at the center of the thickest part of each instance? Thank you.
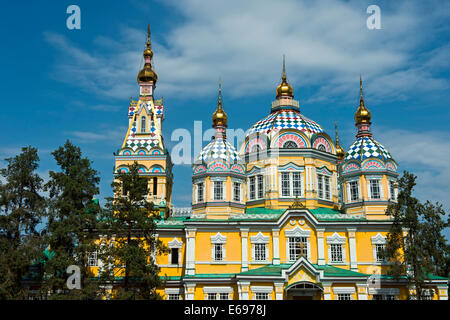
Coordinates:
(290, 182)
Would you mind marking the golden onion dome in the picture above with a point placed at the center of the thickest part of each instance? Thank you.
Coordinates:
(340, 153)
(220, 117)
(362, 114)
(147, 73)
(284, 89)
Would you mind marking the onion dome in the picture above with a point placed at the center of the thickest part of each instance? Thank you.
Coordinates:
(362, 115)
(219, 148)
(147, 74)
(366, 147)
(284, 89)
(220, 117)
(340, 153)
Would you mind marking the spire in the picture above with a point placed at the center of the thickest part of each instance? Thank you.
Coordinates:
(147, 74)
(362, 115)
(340, 153)
(219, 117)
(284, 89)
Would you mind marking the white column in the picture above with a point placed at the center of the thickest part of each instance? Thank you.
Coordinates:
(352, 248)
(278, 290)
(189, 290)
(190, 251)
(362, 291)
(276, 246)
(243, 290)
(244, 250)
(320, 247)
(326, 290)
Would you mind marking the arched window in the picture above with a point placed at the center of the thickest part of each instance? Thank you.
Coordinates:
(143, 124)
(322, 147)
(290, 145)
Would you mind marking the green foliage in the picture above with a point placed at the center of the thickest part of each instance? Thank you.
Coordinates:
(129, 238)
(423, 251)
(72, 223)
(21, 208)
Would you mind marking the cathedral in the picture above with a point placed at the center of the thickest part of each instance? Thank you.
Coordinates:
(290, 215)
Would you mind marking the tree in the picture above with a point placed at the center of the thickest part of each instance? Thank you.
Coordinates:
(72, 222)
(423, 249)
(129, 234)
(21, 209)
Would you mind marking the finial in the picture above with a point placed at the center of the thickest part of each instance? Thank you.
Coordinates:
(360, 86)
(147, 74)
(220, 117)
(284, 89)
(340, 153)
(219, 99)
(362, 115)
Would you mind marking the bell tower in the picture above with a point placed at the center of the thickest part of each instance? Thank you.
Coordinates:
(144, 142)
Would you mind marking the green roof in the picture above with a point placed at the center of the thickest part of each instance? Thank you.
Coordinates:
(329, 271)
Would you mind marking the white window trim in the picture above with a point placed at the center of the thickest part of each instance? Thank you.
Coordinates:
(377, 239)
(175, 244)
(324, 173)
(380, 187)
(177, 291)
(291, 183)
(349, 195)
(218, 239)
(298, 232)
(344, 290)
(260, 239)
(224, 188)
(255, 175)
(261, 289)
(217, 291)
(336, 239)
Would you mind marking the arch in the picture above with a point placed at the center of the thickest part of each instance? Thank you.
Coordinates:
(127, 152)
(256, 141)
(142, 169)
(141, 152)
(156, 152)
(322, 142)
(156, 169)
(284, 136)
(391, 166)
(199, 169)
(350, 167)
(217, 166)
(237, 168)
(372, 164)
(123, 169)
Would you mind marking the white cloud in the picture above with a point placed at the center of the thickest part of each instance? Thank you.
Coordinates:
(428, 153)
(243, 42)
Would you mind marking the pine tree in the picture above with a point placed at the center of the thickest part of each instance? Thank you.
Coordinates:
(130, 237)
(423, 249)
(72, 223)
(21, 209)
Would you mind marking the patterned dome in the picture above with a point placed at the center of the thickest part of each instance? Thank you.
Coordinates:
(218, 149)
(285, 119)
(366, 147)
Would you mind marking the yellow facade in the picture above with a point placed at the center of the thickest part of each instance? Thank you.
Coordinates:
(272, 220)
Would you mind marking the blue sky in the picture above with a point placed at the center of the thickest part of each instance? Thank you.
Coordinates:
(60, 84)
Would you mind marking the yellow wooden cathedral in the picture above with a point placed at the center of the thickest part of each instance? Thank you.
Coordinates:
(290, 215)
